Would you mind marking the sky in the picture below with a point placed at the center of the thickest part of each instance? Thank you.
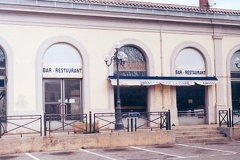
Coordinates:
(223, 4)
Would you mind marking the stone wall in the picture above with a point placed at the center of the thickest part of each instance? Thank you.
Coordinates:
(77, 141)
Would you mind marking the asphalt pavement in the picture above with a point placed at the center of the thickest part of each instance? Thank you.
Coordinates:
(190, 151)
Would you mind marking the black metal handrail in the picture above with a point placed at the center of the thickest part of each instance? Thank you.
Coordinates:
(54, 123)
(20, 124)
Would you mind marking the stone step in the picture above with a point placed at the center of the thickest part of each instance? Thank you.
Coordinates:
(181, 128)
(204, 140)
(199, 134)
(179, 133)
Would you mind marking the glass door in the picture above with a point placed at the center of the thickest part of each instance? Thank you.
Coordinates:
(62, 96)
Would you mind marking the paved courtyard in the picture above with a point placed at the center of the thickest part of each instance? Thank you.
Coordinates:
(198, 151)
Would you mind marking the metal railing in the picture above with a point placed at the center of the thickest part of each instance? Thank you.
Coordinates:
(224, 118)
(21, 124)
(149, 120)
(192, 113)
(235, 117)
(107, 119)
(54, 123)
(78, 123)
(153, 120)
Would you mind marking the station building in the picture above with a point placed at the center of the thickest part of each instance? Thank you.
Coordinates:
(180, 58)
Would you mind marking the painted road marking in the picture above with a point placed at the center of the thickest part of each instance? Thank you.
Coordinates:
(185, 157)
(30, 155)
(211, 149)
(147, 150)
(99, 155)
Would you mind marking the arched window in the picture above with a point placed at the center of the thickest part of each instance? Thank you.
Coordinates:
(3, 106)
(235, 80)
(136, 64)
(190, 62)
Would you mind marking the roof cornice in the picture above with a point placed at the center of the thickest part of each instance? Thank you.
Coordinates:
(143, 10)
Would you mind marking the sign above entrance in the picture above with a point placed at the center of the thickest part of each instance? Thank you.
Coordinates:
(190, 71)
(62, 71)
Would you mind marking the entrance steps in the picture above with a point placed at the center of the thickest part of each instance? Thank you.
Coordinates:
(199, 134)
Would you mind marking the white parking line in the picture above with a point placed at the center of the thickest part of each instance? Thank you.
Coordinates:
(30, 155)
(84, 150)
(147, 150)
(211, 149)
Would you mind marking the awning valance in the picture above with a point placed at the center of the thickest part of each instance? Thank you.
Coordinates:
(171, 81)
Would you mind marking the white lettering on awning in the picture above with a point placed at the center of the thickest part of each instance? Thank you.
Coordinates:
(170, 82)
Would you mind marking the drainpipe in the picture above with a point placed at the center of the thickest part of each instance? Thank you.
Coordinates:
(161, 61)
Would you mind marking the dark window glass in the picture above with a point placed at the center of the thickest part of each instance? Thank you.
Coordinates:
(235, 77)
(190, 98)
(133, 99)
(135, 66)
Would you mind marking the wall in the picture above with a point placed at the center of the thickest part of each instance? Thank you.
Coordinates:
(77, 141)
(26, 32)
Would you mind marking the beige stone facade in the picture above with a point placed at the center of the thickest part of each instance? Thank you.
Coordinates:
(28, 29)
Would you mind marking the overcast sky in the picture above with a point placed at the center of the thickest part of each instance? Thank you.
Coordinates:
(225, 4)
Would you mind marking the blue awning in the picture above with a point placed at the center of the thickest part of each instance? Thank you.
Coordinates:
(155, 80)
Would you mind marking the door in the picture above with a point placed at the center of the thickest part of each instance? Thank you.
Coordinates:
(62, 96)
(191, 104)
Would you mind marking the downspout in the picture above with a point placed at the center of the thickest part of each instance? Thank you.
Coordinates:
(161, 64)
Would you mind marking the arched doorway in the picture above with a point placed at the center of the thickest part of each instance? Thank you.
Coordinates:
(3, 105)
(191, 98)
(62, 80)
(235, 80)
(133, 98)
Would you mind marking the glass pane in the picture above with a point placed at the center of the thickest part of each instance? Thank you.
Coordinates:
(2, 59)
(189, 53)
(235, 95)
(136, 64)
(3, 107)
(52, 90)
(63, 54)
(133, 99)
(190, 98)
(52, 108)
(72, 95)
(235, 62)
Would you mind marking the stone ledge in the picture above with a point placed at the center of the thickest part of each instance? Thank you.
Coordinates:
(77, 141)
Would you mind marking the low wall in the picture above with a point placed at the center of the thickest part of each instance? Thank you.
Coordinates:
(233, 133)
(77, 141)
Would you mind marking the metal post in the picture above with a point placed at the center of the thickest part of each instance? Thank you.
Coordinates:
(169, 120)
(118, 58)
(45, 124)
(40, 125)
(135, 124)
(219, 116)
(131, 124)
(0, 127)
(118, 114)
(230, 118)
(90, 122)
